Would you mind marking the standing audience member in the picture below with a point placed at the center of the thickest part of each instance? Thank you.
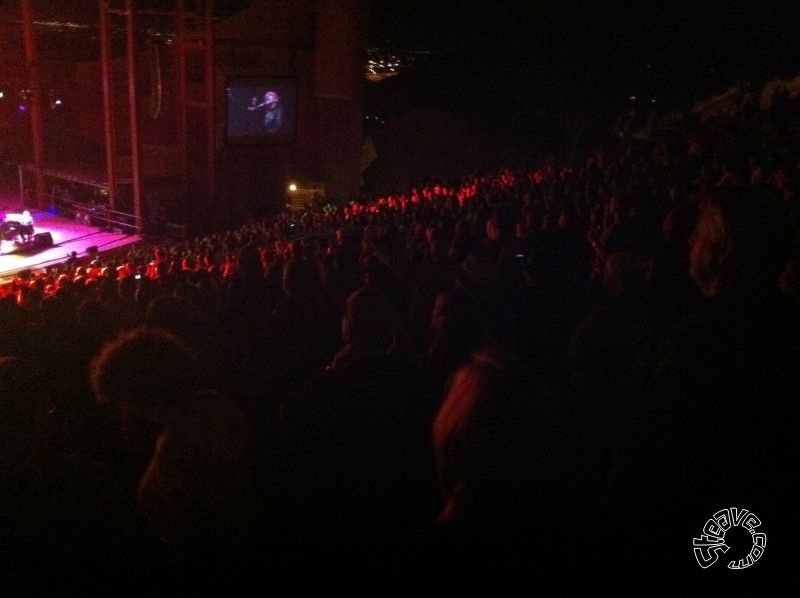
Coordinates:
(602, 349)
(359, 469)
(67, 524)
(196, 490)
(715, 425)
(494, 438)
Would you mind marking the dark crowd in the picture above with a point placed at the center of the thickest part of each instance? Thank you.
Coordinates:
(536, 371)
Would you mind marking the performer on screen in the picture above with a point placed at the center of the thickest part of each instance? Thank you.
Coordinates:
(272, 110)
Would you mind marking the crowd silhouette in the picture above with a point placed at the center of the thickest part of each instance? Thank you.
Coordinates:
(565, 367)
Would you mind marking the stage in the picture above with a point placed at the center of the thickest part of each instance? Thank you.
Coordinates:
(67, 235)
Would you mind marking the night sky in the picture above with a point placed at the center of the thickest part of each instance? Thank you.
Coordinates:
(698, 47)
(513, 71)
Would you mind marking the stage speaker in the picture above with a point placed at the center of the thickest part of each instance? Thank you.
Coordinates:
(42, 240)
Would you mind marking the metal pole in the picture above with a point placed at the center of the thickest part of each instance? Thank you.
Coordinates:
(180, 28)
(106, 77)
(210, 103)
(21, 185)
(134, 113)
(35, 98)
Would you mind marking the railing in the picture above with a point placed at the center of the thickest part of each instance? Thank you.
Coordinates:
(97, 215)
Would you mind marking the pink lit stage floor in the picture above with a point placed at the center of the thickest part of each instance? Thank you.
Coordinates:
(68, 236)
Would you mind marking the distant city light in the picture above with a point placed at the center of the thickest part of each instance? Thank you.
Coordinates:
(381, 64)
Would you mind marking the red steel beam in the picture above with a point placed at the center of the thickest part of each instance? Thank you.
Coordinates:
(106, 78)
(130, 34)
(35, 100)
